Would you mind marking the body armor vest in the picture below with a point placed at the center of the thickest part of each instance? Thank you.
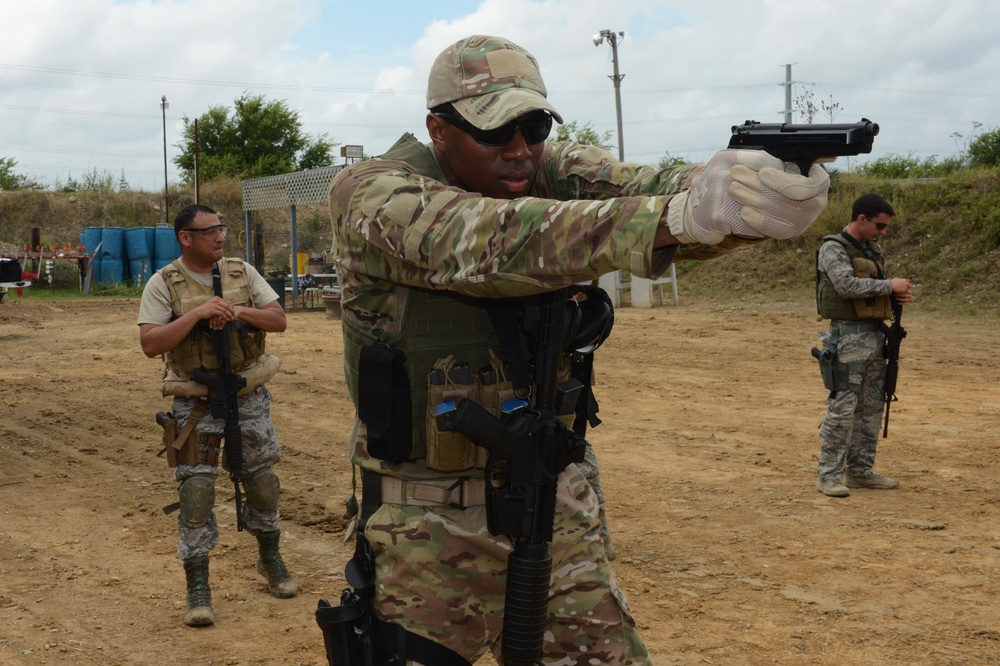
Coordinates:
(435, 325)
(197, 350)
(831, 305)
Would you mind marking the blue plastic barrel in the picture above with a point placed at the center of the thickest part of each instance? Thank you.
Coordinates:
(150, 241)
(140, 263)
(112, 242)
(166, 247)
(135, 243)
(113, 255)
(90, 237)
(95, 269)
(112, 270)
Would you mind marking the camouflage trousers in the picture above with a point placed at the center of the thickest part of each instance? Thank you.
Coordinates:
(441, 574)
(592, 473)
(260, 453)
(850, 429)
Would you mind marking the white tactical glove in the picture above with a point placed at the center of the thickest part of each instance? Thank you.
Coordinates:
(749, 194)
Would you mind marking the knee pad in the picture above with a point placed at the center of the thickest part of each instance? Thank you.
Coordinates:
(262, 491)
(197, 500)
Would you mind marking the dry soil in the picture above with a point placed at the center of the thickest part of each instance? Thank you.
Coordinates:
(728, 553)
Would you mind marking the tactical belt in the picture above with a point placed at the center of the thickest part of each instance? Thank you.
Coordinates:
(457, 493)
(858, 327)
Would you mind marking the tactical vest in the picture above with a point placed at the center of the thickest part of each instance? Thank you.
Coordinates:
(435, 325)
(831, 305)
(197, 350)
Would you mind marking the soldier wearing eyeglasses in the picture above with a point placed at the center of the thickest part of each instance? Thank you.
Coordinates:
(854, 292)
(178, 311)
(430, 233)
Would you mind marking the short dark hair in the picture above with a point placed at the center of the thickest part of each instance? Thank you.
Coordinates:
(187, 215)
(871, 205)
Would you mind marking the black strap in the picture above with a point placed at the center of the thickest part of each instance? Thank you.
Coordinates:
(504, 315)
(864, 249)
(582, 369)
(393, 643)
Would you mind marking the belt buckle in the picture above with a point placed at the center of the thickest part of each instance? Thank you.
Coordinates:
(460, 505)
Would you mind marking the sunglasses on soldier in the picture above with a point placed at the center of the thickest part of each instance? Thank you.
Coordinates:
(534, 128)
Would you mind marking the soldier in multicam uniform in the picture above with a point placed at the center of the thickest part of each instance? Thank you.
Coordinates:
(177, 308)
(426, 236)
(853, 291)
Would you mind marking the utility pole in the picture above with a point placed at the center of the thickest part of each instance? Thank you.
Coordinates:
(614, 38)
(788, 92)
(166, 197)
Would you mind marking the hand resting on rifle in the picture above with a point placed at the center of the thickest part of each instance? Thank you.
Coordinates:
(902, 290)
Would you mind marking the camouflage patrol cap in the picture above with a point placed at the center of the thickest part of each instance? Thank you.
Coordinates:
(489, 80)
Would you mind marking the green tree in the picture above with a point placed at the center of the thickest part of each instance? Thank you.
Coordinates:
(9, 180)
(259, 138)
(984, 149)
(669, 160)
(583, 134)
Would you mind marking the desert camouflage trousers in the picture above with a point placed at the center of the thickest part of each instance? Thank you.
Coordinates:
(850, 429)
(441, 574)
(260, 452)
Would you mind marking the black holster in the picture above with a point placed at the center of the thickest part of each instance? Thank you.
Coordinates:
(347, 628)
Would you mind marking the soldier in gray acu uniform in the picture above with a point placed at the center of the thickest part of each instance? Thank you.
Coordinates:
(426, 237)
(853, 291)
(178, 307)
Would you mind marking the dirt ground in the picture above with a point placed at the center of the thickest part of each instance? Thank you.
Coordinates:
(727, 552)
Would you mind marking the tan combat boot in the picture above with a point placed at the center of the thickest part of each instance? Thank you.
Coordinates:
(199, 595)
(870, 480)
(272, 567)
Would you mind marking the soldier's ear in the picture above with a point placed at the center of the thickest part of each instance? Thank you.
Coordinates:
(436, 128)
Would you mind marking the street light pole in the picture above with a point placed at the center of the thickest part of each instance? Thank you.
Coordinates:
(614, 38)
(166, 200)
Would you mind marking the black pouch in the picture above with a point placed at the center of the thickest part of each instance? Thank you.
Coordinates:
(384, 402)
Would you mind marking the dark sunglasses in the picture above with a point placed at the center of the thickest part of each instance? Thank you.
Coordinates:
(879, 225)
(534, 129)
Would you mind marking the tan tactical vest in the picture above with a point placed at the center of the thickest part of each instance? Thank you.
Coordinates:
(197, 350)
(831, 305)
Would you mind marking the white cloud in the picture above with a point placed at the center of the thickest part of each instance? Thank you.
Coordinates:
(82, 81)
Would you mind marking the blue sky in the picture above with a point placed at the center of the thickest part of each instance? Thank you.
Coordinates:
(82, 81)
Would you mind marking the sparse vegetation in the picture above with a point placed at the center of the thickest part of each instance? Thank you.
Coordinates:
(946, 235)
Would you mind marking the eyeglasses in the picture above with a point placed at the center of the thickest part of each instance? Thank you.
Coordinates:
(535, 129)
(878, 225)
(209, 232)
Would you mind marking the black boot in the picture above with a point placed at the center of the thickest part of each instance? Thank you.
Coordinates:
(199, 595)
(272, 567)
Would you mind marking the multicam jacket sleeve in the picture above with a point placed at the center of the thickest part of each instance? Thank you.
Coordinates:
(587, 215)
